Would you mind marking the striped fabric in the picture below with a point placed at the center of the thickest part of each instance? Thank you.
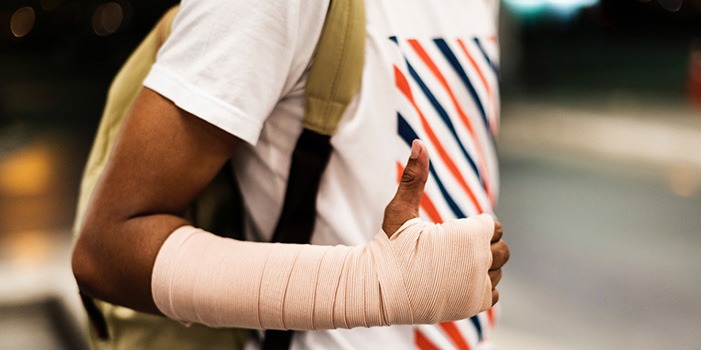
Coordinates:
(449, 98)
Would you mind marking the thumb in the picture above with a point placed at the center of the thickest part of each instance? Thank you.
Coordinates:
(405, 204)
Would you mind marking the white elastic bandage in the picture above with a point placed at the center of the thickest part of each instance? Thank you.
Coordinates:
(425, 273)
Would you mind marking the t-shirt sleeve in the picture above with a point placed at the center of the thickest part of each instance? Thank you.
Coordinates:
(230, 62)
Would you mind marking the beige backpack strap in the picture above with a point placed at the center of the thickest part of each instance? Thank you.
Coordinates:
(165, 24)
(336, 72)
(121, 96)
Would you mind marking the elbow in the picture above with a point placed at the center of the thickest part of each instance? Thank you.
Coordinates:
(86, 268)
(83, 267)
(107, 270)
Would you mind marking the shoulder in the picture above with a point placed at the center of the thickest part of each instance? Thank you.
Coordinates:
(239, 13)
(230, 62)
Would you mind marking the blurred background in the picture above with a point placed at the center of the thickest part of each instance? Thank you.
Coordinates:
(600, 148)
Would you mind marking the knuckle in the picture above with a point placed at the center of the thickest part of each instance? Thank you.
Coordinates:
(500, 251)
(408, 177)
(497, 261)
(412, 178)
(496, 236)
(495, 277)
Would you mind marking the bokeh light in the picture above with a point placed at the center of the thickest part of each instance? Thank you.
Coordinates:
(50, 5)
(28, 248)
(107, 18)
(563, 7)
(26, 172)
(22, 21)
(683, 180)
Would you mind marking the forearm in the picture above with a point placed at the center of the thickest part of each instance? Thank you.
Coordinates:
(424, 273)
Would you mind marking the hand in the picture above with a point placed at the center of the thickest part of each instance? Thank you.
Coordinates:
(405, 206)
(500, 255)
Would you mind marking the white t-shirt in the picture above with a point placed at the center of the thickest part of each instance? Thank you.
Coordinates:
(431, 71)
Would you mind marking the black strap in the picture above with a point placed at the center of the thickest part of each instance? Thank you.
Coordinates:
(96, 318)
(277, 340)
(309, 159)
(296, 224)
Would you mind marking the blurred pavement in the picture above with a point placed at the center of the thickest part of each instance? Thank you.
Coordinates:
(600, 205)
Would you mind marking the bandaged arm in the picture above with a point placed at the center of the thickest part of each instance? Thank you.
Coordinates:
(424, 273)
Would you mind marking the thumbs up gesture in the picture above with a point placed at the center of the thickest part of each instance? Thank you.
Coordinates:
(405, 206)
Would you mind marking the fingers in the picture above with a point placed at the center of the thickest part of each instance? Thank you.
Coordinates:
(405, 204)
(500, 254)
(495, 277)
(498, 231)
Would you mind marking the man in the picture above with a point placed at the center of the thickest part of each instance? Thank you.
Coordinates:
(228, 84)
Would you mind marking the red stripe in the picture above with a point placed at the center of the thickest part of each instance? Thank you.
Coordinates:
(430, 209)
(403, 86)
(474, 65)
(492, 101)
(434, 69)
(426, 202)
(461, 113)
(452, 330)
(400, 171)
(422, 342)
(490, 316)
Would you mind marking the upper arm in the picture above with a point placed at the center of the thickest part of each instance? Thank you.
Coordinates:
(228, 63)
(162, 159)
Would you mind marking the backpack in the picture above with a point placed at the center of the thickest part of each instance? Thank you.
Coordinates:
(334, 79)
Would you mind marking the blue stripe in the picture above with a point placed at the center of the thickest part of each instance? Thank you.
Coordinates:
(409, 135)
(491, 64)
(444, 115)
(478, 327)
(453, 60)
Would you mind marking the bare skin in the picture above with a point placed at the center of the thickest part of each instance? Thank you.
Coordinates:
(162, 159)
